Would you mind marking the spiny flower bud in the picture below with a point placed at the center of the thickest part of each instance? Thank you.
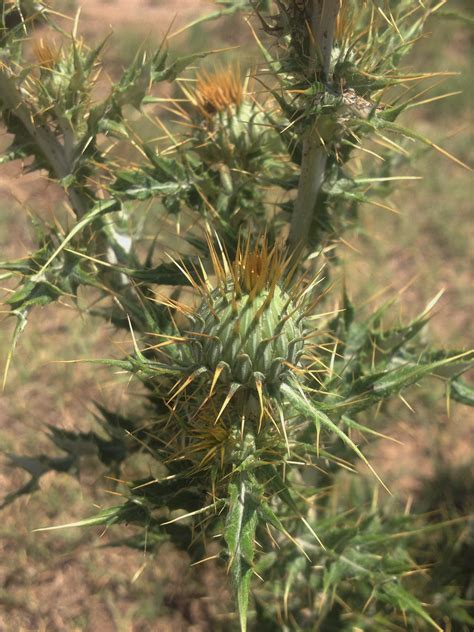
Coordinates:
(249, 328)
(233, 120)
(244, 340)
(248, 335)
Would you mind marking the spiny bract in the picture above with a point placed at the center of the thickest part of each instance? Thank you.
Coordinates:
(229, 121)
(250, 327)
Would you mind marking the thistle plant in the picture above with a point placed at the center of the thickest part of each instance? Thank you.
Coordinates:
(237, 155)
(254, 375)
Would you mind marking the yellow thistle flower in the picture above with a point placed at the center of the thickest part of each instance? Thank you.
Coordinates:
(218, 91)
(46, 53)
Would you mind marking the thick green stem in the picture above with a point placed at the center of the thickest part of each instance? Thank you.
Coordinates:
(313, 164)
(47, 143)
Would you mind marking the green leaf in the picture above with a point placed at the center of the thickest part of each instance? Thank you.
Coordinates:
(106, 517)
(167, 177)
(232, 6)
(461, 392)
(18, 265)
(176, 68)
(22, 321)
(34, 293)
(129, 512)
(239, 534)
(451, 14)
(405, 375)
(112, 128)
(99, 209)
(306, 408)
(350, 423)
(379, 123)
(395, 594)
(268, 515)
(163, 274)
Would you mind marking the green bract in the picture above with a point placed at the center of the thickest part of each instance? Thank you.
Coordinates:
(249, 336)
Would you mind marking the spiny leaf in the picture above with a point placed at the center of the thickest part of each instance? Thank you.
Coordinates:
(34, 293)
(231, 7)
(163, 274)
(306, 408)
(239, 533)
(99, 209)
(451, 14)
(22, 321)
(131, 511)
(403, 376)
(461, 392)
(405, 601)
(379, 123)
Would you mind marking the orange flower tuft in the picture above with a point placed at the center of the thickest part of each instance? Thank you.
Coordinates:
(47, 53)
(218, 91)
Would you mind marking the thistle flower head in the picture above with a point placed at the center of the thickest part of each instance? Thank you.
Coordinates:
(244, 339)
(248, 329)
(234, 125)
(218, 91)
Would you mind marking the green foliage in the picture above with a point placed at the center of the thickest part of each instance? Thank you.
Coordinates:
(253, 382)
(358, 579)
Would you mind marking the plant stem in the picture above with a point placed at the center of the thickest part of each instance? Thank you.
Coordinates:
(323, 14)
(44, 139)
(59, 156)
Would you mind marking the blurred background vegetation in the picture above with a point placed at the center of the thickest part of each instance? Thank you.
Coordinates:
(70, 580)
